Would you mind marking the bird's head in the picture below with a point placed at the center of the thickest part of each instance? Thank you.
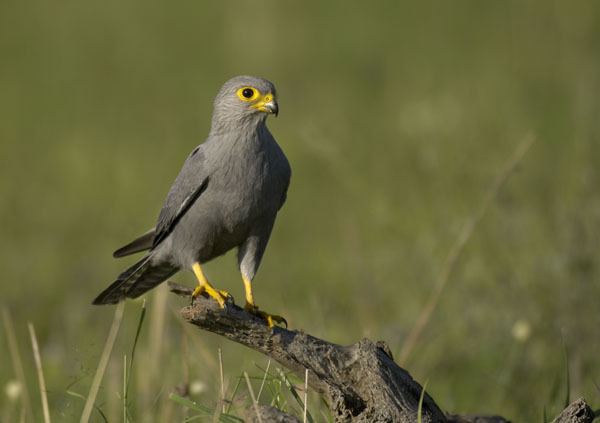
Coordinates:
(245, 99)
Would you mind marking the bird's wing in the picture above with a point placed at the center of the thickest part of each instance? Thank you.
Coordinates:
(142, 243)
(285, 175)
(191, 182)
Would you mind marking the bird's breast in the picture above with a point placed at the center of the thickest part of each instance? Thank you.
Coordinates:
(247, 187)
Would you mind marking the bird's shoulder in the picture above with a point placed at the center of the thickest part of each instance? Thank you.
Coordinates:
(189, 184)
(191, 174)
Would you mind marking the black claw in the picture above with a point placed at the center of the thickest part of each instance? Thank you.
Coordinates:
(255, 311)
(284, 322)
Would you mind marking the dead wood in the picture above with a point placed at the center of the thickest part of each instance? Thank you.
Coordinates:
(360, 382)
(577, 412)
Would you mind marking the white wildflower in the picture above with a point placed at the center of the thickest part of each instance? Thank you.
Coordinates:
(197, 387)
(12, 389)
(521, 330)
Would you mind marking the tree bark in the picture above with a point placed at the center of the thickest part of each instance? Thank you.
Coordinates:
(360, 382)
(577, 412)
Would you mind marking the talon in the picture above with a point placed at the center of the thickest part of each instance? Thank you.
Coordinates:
(197, 291)
(216, 296)
(280, 319)
(226, 295)
(270, 319)
(219, 296)
(205, 287)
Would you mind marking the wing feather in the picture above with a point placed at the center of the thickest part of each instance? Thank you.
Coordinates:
(189, 185)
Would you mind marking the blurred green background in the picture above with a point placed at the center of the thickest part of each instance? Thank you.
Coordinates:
(396, 118)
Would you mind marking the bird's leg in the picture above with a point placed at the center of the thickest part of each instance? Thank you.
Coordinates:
(251, 307)
(205, 286)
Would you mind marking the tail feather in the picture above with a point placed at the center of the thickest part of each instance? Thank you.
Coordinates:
(151, 278)
(141, 243)
(135, 281)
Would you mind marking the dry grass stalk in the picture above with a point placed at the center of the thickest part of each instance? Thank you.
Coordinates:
(222, 381)
(15, 356)
(459, 246)
(108, 346)
(254, 401)
(262, 384)
(305, 395)
(40, 373)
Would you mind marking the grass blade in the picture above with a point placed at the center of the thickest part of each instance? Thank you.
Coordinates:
(262, 384)
(127, 373)
(13, 347)
(125, 378)
(192, 405)
(567, 376)
(421, 397)
(206, 411)
(108, 346)
(237, 386)
(40, 373)
(305, 395)
(459, 246)
(154, 347)
(137, 337)
(81, 397)
(290, 386)
(254, 402)
(221, 378)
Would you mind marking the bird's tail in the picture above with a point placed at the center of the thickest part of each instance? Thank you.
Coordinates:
(135, 281)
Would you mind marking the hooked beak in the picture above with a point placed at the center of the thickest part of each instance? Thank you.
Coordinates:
(272, 107)
(267, 104)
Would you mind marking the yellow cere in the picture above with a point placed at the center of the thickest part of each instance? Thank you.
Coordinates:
(260, 104)
(252, 95)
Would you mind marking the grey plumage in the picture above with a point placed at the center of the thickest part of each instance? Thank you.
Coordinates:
(142, 243)
(226, 195)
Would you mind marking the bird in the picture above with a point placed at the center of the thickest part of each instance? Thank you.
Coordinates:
(226, 196)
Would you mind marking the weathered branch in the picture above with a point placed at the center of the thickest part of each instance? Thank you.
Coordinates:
(577, 412)
(360, 382)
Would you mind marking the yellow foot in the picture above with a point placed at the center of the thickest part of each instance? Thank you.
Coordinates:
(218, 295)
(271, 319)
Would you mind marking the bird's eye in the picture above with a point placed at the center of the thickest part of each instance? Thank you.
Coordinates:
(247, 94)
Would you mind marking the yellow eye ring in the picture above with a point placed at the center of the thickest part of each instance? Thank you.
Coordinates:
(248, 94)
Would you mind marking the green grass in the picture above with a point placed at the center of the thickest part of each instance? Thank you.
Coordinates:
(202, 410)
(420, 407)
(397, 117)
